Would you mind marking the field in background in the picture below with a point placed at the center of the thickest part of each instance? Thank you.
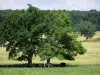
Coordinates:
(92, 56)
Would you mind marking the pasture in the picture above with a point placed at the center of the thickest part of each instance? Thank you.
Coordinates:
(92, 57)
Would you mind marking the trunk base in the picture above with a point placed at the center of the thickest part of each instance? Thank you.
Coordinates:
(48, 63)
(30, 60)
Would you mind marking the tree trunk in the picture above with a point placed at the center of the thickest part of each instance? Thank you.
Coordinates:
(30, 59)
(86, 38)
(48, 61)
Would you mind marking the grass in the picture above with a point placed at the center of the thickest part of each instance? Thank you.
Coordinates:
(92, 56)
(80, 70)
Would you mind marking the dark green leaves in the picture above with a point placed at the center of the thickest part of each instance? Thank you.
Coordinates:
(23, 31)
(86, 29)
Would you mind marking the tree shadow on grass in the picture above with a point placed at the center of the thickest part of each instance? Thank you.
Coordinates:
(36, 65)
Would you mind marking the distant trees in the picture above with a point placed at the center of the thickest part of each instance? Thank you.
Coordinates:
(93, 16)
(22, 31)
(3, 13)
(76, 16)
(86, 29)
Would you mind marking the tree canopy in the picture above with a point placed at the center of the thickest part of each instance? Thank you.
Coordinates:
(86, 29)
(92, 16)
(22, 31)
(76, 16)
(59, 41)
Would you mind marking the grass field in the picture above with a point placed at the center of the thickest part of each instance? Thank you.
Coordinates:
(92, 56)
(80, 70)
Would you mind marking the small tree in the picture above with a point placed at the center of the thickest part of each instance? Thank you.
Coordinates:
(86, 29)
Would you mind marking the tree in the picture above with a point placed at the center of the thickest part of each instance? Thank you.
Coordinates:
(58, 41)
(20, 32)
(93, 16)
(53, 21)
(3, 13)
(86, 29)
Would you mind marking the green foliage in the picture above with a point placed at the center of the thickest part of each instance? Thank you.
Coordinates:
(69, 47)
(76, 16)
(22, 32)
(93, 16)
(59, 41)
(3, 13)
(86, 29)
(55, 22)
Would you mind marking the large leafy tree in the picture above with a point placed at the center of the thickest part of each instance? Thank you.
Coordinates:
(20, 31)
(86, 29)
(23, 31)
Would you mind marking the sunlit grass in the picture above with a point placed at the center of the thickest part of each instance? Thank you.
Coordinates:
(78, 70)
(91, 57)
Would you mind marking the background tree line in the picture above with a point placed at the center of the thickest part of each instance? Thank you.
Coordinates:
(92, 16)
(3, 13)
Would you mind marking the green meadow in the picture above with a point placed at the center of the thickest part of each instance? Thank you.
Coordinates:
(91, 57)
(80, 70)
(90, 60)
